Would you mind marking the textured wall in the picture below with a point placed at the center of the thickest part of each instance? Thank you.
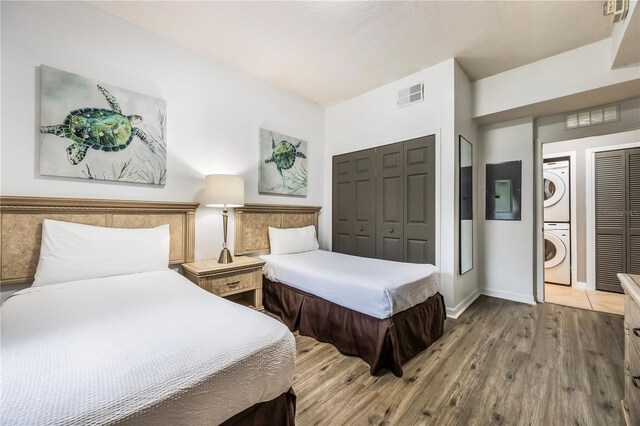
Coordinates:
(507, 247)
(213, 111)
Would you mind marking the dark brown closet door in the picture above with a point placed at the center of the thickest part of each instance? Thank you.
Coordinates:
(389, 202)
(354, 203)
(364, 204)
(611, 228)
(342, 226)
(633, 211)
(419, 196)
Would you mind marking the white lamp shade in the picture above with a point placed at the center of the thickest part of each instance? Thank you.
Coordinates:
(224, 190)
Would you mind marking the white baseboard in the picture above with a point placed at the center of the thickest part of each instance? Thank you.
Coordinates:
(516, 297)
(580, 285)
(455, 312)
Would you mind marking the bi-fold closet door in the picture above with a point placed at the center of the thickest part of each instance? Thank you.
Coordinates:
(354, 203)
(617, 213)
(384, 202)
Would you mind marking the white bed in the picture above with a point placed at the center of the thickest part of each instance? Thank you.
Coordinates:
(374, 287)
(149, 348)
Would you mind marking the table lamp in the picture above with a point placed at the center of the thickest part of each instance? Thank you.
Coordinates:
(224, 191)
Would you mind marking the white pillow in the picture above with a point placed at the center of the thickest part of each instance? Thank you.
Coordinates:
(293, 240)
(71, 251)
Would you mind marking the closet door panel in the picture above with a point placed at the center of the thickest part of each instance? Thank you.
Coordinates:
(419, 200)
(364, 203)
(342, 243)
(391, 249)
(342, 226)
(610, 206)
(633, 211)
(391, 199)
(389, 202)
(418, 251)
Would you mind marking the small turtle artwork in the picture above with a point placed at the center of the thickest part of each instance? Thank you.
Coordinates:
(283, 169)
(107, 130)
(284, 155)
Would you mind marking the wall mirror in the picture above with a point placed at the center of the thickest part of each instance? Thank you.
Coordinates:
(466, 205)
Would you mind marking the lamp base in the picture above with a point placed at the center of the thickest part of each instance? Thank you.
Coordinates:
(225, 256)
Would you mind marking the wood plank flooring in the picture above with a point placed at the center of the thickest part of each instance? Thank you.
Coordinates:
(500, 363)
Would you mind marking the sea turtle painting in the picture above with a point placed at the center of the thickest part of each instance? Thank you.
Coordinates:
(107, 130)
(284, 155)
(104, 136)
(283, 169)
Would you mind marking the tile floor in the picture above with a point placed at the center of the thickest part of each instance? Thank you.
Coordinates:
(602, 301)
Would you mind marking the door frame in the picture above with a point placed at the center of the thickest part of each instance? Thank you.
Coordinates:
(573, 219)
(591, 215)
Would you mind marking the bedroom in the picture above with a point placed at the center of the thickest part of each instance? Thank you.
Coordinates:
(227, 70)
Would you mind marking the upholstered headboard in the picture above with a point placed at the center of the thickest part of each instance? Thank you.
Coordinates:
(252, 224)
(21, 227)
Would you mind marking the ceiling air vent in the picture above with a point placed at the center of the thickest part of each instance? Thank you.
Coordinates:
(618, 9)
(411, 95)
(592, 117)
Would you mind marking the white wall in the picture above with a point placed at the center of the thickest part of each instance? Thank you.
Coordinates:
(576, 71)
(214, 112)
(553, 128)
(507, 247)
(466, 286)
(373, 119)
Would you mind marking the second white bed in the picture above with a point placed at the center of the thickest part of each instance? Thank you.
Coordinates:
(374, 287)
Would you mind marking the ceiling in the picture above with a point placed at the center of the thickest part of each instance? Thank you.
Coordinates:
(331, 51)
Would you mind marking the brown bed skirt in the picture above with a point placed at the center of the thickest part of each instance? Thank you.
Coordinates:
(382, 343)
(277, 412)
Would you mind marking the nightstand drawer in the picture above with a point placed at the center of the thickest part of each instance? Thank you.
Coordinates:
(240, 281)
(230, 283)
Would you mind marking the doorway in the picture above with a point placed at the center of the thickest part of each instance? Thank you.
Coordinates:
(569, 245)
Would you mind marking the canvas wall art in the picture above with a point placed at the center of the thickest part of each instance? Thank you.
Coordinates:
(94, 130)
(283, 165)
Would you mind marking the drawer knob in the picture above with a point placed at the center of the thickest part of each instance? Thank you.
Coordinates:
(636, 331)
(362, 229)
(233, 284)
(636, 381)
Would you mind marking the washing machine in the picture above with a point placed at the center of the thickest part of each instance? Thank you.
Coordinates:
(556, 191)
(557, 253)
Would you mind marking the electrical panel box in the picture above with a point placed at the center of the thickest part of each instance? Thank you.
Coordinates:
(504, 187)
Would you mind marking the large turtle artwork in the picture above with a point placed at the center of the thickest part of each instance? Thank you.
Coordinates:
(284, 155)
(98, 128)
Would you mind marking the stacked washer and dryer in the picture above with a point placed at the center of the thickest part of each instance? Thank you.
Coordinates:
(557, 226)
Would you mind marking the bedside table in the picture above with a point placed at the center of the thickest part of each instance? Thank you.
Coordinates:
(240, 281)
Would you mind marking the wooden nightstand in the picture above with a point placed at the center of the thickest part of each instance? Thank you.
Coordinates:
(240, 281)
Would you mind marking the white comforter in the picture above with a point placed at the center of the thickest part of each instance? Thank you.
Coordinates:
(375, 287)
(153, 346)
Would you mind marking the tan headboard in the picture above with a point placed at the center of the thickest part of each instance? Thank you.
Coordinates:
(252, 222)
(21, 226)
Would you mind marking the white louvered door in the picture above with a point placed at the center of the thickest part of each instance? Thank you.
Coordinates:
(633, 229)
(610, 197)
(617, 204)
